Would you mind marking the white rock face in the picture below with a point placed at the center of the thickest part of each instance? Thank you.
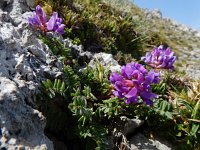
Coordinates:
(23, 63)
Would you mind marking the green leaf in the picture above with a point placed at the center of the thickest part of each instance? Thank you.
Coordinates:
(179, 134)
(62, 87)
(194, 129)
(195, 111)
(55, 84)
(58, 85)
(164, 105)
(186, 104)
(49, 83)
(169, 115)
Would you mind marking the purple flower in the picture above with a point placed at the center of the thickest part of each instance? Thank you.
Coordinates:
(160, 58)
(55, 24)
(38, 19)
(134, 81)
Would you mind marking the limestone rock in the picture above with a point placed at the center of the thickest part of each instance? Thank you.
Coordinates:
(106, 60)
(24, 59)
(127, 125)
(124, 127)
(140, 142)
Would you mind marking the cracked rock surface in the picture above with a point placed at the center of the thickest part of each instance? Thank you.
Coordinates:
(24, 59)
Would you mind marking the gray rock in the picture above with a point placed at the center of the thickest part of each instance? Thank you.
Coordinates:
(127, 125)
(75, 48)
(24, 62)
(140, 142)
(52, 72)
(19, 123)
(30, 3)
(123, 126)
(92, 59)
(106, 60)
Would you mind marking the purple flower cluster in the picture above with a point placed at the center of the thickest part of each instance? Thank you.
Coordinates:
(134, 81)
(160, 58)
(39, 20)
(55, 24)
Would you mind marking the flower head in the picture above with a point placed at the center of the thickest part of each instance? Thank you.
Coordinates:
(160, 58)
(134, 81)
(55, 24)
(38, 19)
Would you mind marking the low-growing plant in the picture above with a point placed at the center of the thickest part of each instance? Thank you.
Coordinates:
(96, 108)
(92, 101)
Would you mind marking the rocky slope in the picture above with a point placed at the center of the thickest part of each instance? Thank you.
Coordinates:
(26, 61)
(184, 40)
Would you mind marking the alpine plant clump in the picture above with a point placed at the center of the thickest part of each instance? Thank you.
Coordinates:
(39, 21)
(160, 58)
(133, 82)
